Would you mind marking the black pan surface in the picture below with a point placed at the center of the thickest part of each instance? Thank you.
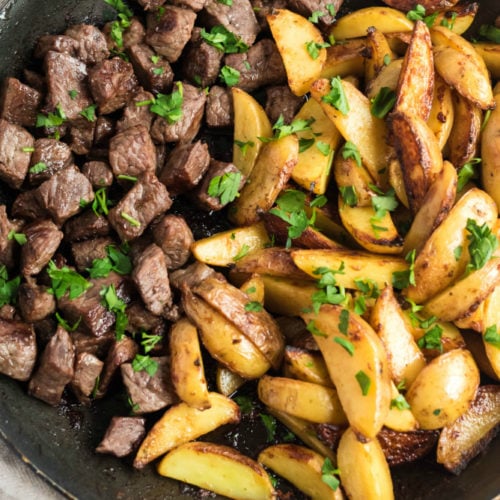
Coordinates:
(59, 442)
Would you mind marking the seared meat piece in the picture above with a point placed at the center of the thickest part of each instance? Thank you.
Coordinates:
(150, 276)
(149, 393)
(34, 302)
(56, 43)
(145, 201)
(98, 173)
(34, 80)
(98, 346)
(132, 152)
(112, 82)
(169, 31)
(151, 4)
(87, 370)
(81, 137)
(9, 249)
(8, 312)
(141, 320)
(19, 103)
(261, 65)
(216, 169)
(219, 108)
(55, 369)
(174, 237)
(43, 239)
(185, 166)
(104, 130)
(264, 7)
(326, 7)
(329, 434)
(153, 76)
(17, 349)
(136, 115)
(84, 252)
(86, 225)
(281, 101)
(131, 36)
(123, 436)
(195, 5)
(55, 155)
(14, 162)
(91, 45)
(193, 275)
(65, 73)
(62, 195)
(239, 18)
(26, 206)
(201, 61)
(185, 129)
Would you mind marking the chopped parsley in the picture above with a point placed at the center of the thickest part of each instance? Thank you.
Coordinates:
(142, 362)
(123, 177)
(243, 251)
(19, 238)
(116, 260)
(122, 23)
(400, 403)
(350, 150)
(368, 287)
(149, 341)
(336, 97)
(270, 425)
(281, 129)
(448, 20)
(253, 306)
(89, 112)
(168, 106)
(225, 187)
(431, 339)
(344, 322)
(101, 203)
(155, 59)
(346, 344)
(383, 202)
(323, 148)
(226, 2)
(116, 305)
(491, 336)
(491, 33)
(244, 146)
(313, 48)
(457, 253)
(467, 172)
(73, 94)
(158, 71)
(482, 244)
(305, 144)
(387, 60)
(418, 14)
(224, 40)
(245, 403)
(131, 220)
(383, 102)
(403, 279)
(55, 119)
(69, 328)
(329, 474)
(437, 411)
(230, 76)
(329, 292)
(65, 280)
(8, 288)
(312, 328)
(38, 168)
(349, 195)
(315, 15)
(363, 381)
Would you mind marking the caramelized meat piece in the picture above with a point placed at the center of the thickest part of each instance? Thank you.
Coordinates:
(123, 436)
(91, 46)
(86, 225)
(85, 252)
(19, 102)
(87, 371)
(219, 109)
(134, 115)
(98, 173)
(153, 71)
(34, 302)
(54, 155)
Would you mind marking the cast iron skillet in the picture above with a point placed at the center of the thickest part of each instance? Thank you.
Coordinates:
(59, 442)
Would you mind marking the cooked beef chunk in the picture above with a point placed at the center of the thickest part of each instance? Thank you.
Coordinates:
(81, 137)
(264, 7)
(62, 195)
(151, 4)
(86, 225)
(55, 369)
(261, 65)
(201, 61)
(136, 115)
(216, 169)
(91, 45)
(193, 275)
(26, 206)
(149, 393)
(56, 43)
(87, 370)
(34, 302)
(131, 36)
(19, 103)
(14, 162)
(123, 436)
(195, 5)
(150, 276)
(141, 320)
(169, 31)
(64, 74)
(329, 434)
(98, 173)
(239, 18)
(326, 7)
(98, 346)
(174, 237)
(34, 80)
(132, 152)
(8, 312)
(9, 249)
(17, 349)
(42, 240)
(104, 130)
(54, 155)
(112, 82)
(145, 201)
(153, 71)
(281, 101)
(219, 109)
(85, 252)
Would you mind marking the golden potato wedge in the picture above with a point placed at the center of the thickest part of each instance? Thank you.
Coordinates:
(400, 418)
(287, 297)
(457, 18)
(306, 400)
(365, 472)
(223, 340)
(396, 180)
(444, 389)
(466, 437)
(441, 117)
(384, 19)
(475, 345)
(182, 423)
(473, 321)
(435, 207)
(250, 123)
(293, 35)
(324, 222)
(302, 467)
(357, 364)
(428, 5)
(227, 381)
(272, 170)
(312, 170)
(344, 59)
(398, 41)
(305, 365)
(218, 468)
(436, 266)
(359, 126)
(387, 77)
(416, 80)
(405, 359)
(491, 318)
(186, 365)
(380, 54)
(226, 247)
(490, 52)
(254, 288)
(418, 153)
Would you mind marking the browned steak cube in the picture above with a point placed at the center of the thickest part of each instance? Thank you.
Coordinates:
(195, 5)
(98, 173)
(9, 249)
(88, 367)
(132, 35)
(50, 156)
(91, 45)
(19, 103)
(123, 436)
(98, 346)
(26, 206)
(81, 137)
(219, 109)
(141, 320)
(86, 225)
(281, 101)
(193, 275)
(327, 8)
(34, 302)
(104, 130)
(136, 112)
(153, 71)
(56, 43)
(85, 252)
(151, 4)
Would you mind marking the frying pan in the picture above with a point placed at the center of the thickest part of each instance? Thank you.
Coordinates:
(59, 442)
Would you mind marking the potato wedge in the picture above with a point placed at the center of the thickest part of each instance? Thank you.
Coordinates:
(490, 52)
(491, 317)
(365, 472)
(380, 54)
(441, 116)
(182, 423)
(250, 123)
(396, 181)
(357, 365)
(272, 170)
(293, 34)
(387, 77)
(218, 468)
(306, 400)
(444, 389)
(428, 5)
(475, 345)
(302, 467)
(254, 288)
(399, 418)
(457, 18)
(416, 80)
(467, 436)
(398, 41)
(344, 59)
(225, 248)
(227, 381)
(305, 365)
(186, 365)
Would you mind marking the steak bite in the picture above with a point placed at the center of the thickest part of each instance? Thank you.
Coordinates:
(327, 8)
(50, 156)
(15, 142)
(17, 349)
(104, 130)
(141, 320)
(55, 369)
(131, 36)
(281, 101)
(88, 368)
(151, 4)
(26, 206)
(98, 173)
(56, 43)
(86, 225)
(135, 113)
(81, 137)
(147, 199)
(34, 302)
(19, 102)
(85, 252)
(91, 46)
(9, 250)
(153, 71)
(219, 109)
(123, 436)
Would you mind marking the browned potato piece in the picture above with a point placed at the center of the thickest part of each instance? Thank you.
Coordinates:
(491, 319)
(344, 59)
(387, 77)
(305, 365)
(254, 288)
(227, 381)
(397, 182)
(457, 18)
(380, 54)
(399, 418)
(441, 116)
(490, 52)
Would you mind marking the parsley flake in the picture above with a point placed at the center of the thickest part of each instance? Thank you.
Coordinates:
(329, 474)
(55, 119)
(491, 33)
(131, 220)
(244, 146)
(225, 187)
(336, 97)
(313, 48)
(431, 339)
(253, 306)
(270, 425)
(38, 168)
(350, 150)
(89, 112)
(73, 94)
(402, 279)
(20, 238)
(230, 76)
(346, 344)
(363, 381)
(482, 244)
(312, 328)
(467, 172)
(8, 288)
(344, 322)
(400, 403)
(144, 363)
(243, 251)
(491, 336)
(116, 305)
(224, 40)
(383, 102)
(349, 195)
(169, 106)
(65, 280)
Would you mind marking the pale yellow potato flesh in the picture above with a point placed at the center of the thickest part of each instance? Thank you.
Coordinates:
(441, 117)
(401, 420)
(490, 52)
(287, 297)
(227, 381)
(380, 53)
(387, 77)
(491, 317)
(344, 59)
(305, 365)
